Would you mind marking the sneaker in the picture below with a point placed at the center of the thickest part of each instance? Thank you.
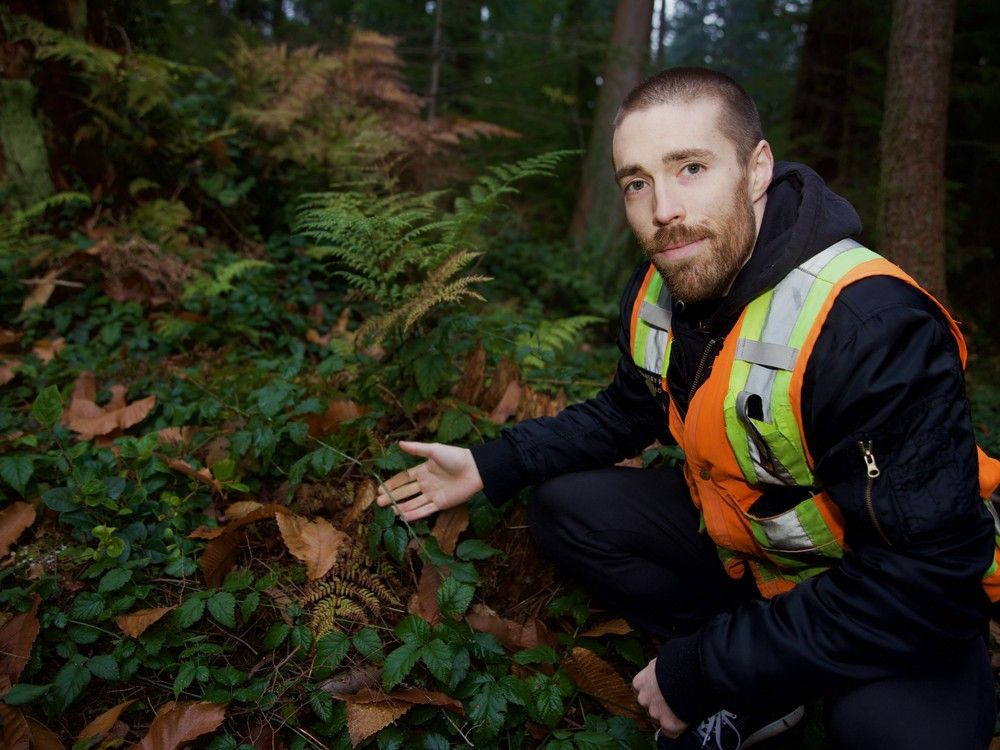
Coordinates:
(728, 731)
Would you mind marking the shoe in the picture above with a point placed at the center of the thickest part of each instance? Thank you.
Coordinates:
(728, 731)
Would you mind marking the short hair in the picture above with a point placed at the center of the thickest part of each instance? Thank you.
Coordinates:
(739, 120)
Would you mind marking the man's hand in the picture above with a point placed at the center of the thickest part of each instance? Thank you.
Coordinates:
(647, 693)
(447, 478)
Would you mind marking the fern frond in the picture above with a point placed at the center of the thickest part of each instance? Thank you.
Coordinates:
(222, 281)
(552, 337)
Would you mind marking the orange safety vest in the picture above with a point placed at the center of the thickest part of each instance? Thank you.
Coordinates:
(743, 429)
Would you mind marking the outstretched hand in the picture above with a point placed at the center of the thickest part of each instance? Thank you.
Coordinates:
(447, 478)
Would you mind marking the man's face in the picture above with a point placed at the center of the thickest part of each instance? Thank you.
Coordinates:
(687, 197)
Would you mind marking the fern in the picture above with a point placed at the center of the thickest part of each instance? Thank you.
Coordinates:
(14, 237)
(222, 281)
(551, 337)
(402, 251)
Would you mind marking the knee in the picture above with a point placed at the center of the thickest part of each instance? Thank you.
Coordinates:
(556, 510)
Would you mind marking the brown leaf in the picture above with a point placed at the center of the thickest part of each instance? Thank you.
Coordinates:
(9, 337)
(449, 525)
(473, 376)
(16, 640)
(202, 475)
(354, 679)
(365, 719)
(241, 508)
(364, 496)
(512, 635)
(7, 370)
(598, 678)
(105, 722)
(178, 722)
(316, 542)
(263, 737)
(424, 600)
(43, 738)
(258, 514)
(508, 404)
(85, 417)
(14, 732)
(41, 290)
(503, 375)
(337, 411)
(615, 627)
(14, 519)
(219, 557)
(47, 350)
(135, 623)
(413, 696)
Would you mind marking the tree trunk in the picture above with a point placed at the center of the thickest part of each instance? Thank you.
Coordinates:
(435, 60)
(911, 188)
(599, 218)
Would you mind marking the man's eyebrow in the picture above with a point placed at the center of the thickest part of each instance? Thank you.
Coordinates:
(682, 154)
(626, 170)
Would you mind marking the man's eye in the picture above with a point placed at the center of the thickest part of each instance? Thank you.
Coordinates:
(692, 168)
(634, 186)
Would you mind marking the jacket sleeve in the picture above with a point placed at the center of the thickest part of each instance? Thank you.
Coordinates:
(616, 424)
(909, 588)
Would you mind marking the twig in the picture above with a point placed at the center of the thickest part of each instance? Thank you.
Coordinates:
(53, 282)
(457, 728)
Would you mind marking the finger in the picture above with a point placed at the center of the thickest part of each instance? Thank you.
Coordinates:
(422, 512)
(410, 505)
(401, 493)
(399, 479)
(426, 450)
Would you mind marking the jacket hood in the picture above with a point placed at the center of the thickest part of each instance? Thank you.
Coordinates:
(803, 217)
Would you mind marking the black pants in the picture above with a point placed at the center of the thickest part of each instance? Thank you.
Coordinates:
(631, 536)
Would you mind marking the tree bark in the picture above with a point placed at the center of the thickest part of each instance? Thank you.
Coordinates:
(911, 186)
(435, 60)
(599, 218)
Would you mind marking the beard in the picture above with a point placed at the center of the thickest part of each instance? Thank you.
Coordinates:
(729, 242)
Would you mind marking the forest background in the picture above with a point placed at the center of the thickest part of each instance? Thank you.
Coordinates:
(248, 245)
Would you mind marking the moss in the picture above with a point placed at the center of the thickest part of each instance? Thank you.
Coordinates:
(24, 175)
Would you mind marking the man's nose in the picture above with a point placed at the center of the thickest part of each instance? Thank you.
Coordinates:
(667, 209)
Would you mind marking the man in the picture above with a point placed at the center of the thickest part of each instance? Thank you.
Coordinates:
(826, 536)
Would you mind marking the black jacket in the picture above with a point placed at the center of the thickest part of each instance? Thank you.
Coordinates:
(885, 368)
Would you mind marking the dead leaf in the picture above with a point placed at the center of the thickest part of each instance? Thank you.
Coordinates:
(263, 737)
(47, 350)
(9, 337)
(85, 387)
(337, 411)
(203, 475)
(449, 525)
(316, 542)
(135, 623)
(617, 626)
(473, 376)
(354, 679)
(219, 557)
(41, 289)
(508, 405)
(598, 678)
(105, 722)
(241, 508)
(534, 404)
(178, 722)
(370, 710)
(258, 514)
(42, 738)
(512, 635)
(503, 374)
(364, 496)
(14, 519)
(85, 417)
(179, 436)
(424, 600)
(16, 640)
(14, 732)
(7, 371)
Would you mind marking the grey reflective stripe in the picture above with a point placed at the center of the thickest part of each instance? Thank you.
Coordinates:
(786, 532)
(657, 317)
(818, 262)
(656, 349)
(771, 472)
(769, 355)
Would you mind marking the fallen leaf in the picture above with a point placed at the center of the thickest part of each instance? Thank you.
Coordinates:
(258, 514)
(16, 640)
(14, 732)
(47, 350)
(354, 679)
(178, 722)
(473, 376)
(337, 411)
(598, 678)
(179, 436)
(42, 738)
(14, 519)
(424, 602)
(503, 374)
(508, 405)
(241, 508)
(41, 290)
(370, 710)
(219, 557)
(203, 475)
(364, 496)
(449, 525)
(135, 623)
(104, 723)
(8, 337)
(614, 627)
(263, 737)
(85, 417)
(512, 635)
(7, 371)
(316, 542)
(314, 337)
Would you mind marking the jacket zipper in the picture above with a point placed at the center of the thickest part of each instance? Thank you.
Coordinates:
(873, 472)
(700, 370)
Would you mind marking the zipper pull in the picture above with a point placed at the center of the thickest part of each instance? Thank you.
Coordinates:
(869, 457)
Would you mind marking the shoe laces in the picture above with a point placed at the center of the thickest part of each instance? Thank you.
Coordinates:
(713, 727)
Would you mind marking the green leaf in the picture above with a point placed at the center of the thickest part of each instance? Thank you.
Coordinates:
(270, 399)
(189, 612)
(59, 499)
(439, 658)
(413, 629)
(322, 461)
(229, 676)
(591, 740)
(430, 372)
(300, 638)
(249, 605)
(321, 704)
(454, 597)
(398, 664)
(275, 635)
(185, 676)
(16, 470)
(237, 580)
(435, 742)
(23, 693)
(70, 682)
(473, 549)
(368, 644)
(114, 579)
(537, 655)
(454, 425)
(331, 648)
(87, 607)
(103, 666)
(395, 540)
(516, 690)
(222, 607)
(47, 407)
(547, 700)
(488, 704)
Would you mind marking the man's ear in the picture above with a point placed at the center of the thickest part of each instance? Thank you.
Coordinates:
(761, 170)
